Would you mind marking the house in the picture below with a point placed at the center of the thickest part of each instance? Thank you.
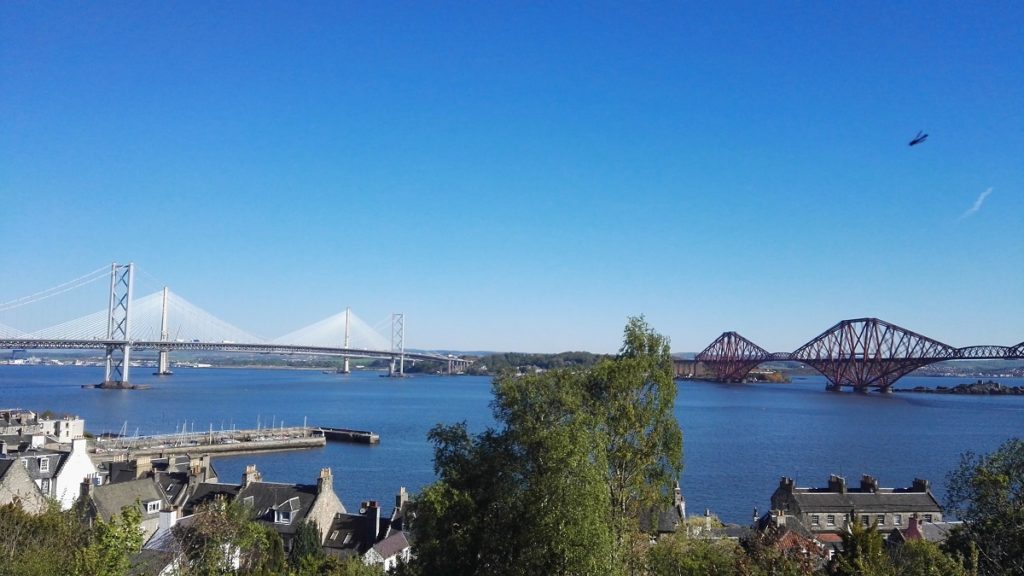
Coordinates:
(57, 473)
(831, 509)
(176, 476)
(107, 500)
(917, 529)
(283, 506)
(666, 519)
(377, 540)
(17, 487)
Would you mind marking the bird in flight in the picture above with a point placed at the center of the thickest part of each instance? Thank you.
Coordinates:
(921, 137)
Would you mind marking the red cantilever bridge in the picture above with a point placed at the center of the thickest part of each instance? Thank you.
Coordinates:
(863, 353)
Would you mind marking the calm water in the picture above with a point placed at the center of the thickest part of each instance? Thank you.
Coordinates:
(738, 438)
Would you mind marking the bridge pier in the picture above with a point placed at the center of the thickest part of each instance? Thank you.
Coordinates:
(119, 346)
(163, 367)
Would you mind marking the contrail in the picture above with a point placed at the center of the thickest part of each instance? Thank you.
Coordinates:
(977, 204)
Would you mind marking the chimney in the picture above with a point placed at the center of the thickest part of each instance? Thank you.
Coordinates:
(371, 511)
(325, 483)
(779, 517)
(168, 518)
(868, 483)
(143, 466)
(85, 489)
(250, 475)
(754, 523)
(837, 484)
(787, 484)
(920, 485)
(401, 498)
(678, 501)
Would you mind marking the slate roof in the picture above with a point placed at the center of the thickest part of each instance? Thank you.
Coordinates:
(265, 498)
(5, 464)
(884, 500)
(108, 499)
(392, 545)
(207, 492)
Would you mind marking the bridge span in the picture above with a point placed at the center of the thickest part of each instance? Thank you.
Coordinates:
(119, 338)
(863, 353)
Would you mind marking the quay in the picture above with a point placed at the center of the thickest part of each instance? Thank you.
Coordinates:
(349, 435)
(226, 442)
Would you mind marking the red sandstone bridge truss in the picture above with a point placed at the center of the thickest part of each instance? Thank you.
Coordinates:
(863, 353)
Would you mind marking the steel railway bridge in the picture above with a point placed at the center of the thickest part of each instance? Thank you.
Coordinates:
(863, 353)
(118, 344)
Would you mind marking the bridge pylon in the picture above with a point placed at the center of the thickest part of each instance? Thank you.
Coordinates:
(348, 317)
(397, 344)
(118, 346)
(163, 366)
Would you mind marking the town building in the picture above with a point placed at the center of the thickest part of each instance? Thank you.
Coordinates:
(831, 509)
(57, 473)
(17, 487)
(368, 535)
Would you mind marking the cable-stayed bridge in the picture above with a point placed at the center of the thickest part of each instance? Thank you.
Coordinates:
(165, 322)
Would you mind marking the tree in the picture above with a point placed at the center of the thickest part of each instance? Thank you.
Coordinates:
(681, 555)
(529, 498)
(39, 545)
(863, 553)
(633, 396)
(923, 558)
(987, 493)
(305, 544)
(223, 539)
(111, 544)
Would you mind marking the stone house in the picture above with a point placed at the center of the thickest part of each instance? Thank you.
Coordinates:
(377, 540)
(831, 509)
(17, 487)
(57, 473)
(108, 500)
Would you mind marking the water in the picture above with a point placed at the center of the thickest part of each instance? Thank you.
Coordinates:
(738, 439)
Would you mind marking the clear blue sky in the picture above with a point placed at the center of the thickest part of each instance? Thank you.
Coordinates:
(517, 177)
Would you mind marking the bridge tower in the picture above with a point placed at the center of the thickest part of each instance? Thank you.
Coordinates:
(731, 356)
(118, 346)
(398, 344)
(163, 362)
(348, 316)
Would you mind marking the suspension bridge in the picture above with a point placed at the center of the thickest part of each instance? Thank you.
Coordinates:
(862, 353)
(165, 322)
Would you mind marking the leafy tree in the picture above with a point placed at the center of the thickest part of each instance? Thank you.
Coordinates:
(111, 544)
(40, 545)
(305, 544)
(530, 498)
(987, 493)
(761, 557)
(923, 558)
(863, 553)
(632, 397)
(682, 555)
(223, 539)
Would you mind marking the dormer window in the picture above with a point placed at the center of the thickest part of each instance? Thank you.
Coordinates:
(44, 465)
(152, 507)
(283, 516)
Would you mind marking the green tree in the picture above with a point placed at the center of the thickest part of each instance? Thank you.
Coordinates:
(530, 498)
(863, 553)
(681, 555)
(760, 556)
(221, 536)
(40, 545)
(305, 544)
(923, 558)
(987, 493)
(111, 544)
(632, 397)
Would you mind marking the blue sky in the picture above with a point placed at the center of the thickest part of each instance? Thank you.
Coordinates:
(524, 177)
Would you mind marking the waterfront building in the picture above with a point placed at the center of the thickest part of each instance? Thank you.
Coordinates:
(107, 501)
(831, 509)
(283, 506)
(367, 535)
(57, 473)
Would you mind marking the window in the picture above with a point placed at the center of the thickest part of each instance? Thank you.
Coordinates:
(831, 519)
(864, 520)
(815, 520)
(880, 519)
(897, 519)
(152, 506)
(44, 465)
(283, 516)
(927, 517)
(45, 486)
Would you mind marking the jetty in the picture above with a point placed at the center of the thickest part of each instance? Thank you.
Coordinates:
(349, 435)
(225, 442)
